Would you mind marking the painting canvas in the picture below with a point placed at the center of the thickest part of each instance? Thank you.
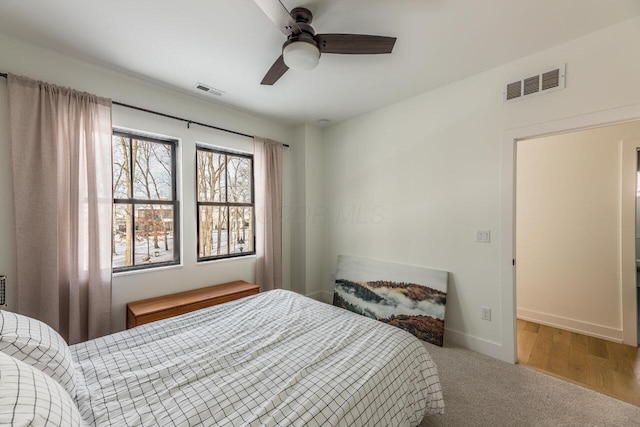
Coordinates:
(411, 298)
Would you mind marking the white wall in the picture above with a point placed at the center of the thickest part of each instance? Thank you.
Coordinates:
(316, 210)
(295, 213)
(20, 58)
(568, 228)
(308, 212)
(425, 173)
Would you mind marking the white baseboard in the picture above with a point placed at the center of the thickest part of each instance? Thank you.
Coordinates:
(327, 297)
(480, 345)
(581, 327)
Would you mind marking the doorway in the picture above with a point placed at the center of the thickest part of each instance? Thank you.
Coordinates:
(571, 211)
(568, 225)
(507, 351)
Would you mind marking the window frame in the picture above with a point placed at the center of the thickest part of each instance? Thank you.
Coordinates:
(175, 202)
(227, 204)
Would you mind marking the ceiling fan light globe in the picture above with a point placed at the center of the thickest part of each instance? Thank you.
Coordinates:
(301, 56)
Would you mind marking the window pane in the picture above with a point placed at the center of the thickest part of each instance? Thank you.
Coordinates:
(154, 234)
(214, 235)
(122, 244)
(241, 222)
(143, 233)
(239, 175)
(211, 176)
(152, 170)
(121, 175)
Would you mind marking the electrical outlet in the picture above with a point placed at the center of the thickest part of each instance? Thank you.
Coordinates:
(485, 313)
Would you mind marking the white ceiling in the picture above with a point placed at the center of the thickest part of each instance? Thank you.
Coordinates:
(231, 44)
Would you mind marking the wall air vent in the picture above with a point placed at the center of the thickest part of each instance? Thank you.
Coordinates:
(514, 90)
(548, 81)
(531, 85)
(208, 89)
(551, 79)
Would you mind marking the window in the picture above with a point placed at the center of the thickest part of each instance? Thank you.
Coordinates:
(225, 202)
(145, 205)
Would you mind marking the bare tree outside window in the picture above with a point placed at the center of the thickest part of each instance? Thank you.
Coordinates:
(145, 203)
(225, 204)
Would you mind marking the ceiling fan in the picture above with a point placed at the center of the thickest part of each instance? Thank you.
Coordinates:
(303, 47)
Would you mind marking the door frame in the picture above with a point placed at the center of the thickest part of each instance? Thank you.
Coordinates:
(628, 236)
(507, 211)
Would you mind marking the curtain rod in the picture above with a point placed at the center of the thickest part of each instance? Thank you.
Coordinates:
(187, 121)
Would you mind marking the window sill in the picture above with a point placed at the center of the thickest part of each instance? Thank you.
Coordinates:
(235, 258)
(146, 270)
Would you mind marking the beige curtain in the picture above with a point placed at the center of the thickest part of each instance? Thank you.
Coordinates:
(61, 154)
(268, 196)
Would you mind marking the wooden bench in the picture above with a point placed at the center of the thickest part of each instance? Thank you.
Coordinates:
(152, 309)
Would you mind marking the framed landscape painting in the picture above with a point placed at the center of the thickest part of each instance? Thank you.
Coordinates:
(409, 297)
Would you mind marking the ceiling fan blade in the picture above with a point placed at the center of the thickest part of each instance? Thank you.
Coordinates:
(279, 15)
(275, 72)
(354, 44)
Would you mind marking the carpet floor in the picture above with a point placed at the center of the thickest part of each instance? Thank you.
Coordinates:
(482, 391)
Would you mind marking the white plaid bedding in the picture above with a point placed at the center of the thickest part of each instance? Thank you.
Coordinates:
(273, 359)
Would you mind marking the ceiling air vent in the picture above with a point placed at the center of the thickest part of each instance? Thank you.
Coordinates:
(208, 89)
(548, 81)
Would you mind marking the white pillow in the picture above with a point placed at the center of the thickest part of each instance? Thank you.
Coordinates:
(38, 345)
(29, 397)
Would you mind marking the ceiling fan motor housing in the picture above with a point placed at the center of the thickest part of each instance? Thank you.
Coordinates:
(301, 51)
(301, 15)
(303, 18)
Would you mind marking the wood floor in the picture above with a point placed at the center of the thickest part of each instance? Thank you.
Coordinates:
(603, 366)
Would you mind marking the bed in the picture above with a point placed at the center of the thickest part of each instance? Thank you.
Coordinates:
(276, 358)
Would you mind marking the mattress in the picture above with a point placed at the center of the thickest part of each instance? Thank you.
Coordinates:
(276, 358)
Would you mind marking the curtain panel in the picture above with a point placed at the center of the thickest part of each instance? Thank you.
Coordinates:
(268, 197)
(61, 160)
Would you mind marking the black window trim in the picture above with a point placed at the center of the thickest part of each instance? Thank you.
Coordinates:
(173, 143)
(226, 152)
